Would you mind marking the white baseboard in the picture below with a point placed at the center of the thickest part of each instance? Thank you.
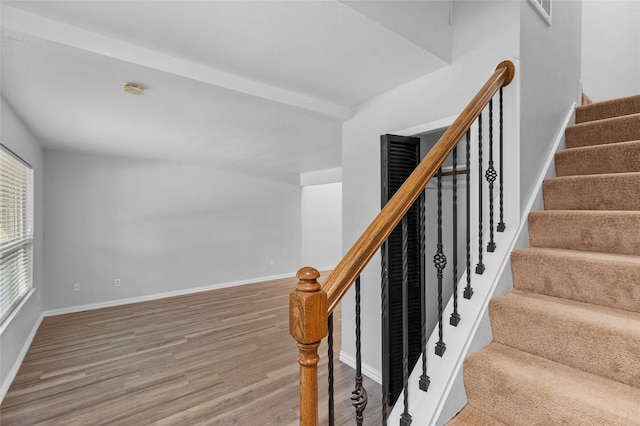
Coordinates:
(118, 302)
(367, 370)
(8, 380)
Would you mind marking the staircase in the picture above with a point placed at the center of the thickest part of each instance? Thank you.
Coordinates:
(566, 340)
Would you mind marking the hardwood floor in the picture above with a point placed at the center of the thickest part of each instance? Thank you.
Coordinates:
(214, 358)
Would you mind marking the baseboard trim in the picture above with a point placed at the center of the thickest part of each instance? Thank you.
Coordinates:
(119, 302)
(372, 373)
(8, 380)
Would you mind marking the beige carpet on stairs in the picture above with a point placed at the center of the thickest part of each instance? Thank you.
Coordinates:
(566, 340)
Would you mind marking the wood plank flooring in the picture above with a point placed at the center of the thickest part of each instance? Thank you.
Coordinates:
(214, 358)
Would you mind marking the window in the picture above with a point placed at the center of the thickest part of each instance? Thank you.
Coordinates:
(16, 231)
(543, 7)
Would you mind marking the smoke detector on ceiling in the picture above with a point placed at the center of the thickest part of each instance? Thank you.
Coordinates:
(134, 88)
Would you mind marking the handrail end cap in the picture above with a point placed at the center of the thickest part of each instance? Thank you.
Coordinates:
(511, 71)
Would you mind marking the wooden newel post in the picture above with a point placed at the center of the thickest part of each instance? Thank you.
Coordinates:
(308, 326)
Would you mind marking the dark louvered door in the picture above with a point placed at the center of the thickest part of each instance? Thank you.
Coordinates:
(400, 156)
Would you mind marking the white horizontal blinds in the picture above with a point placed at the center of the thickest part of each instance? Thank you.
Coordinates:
(15, 271)
(16, 231)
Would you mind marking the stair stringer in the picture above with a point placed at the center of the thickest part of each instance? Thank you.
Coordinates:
(446, 395)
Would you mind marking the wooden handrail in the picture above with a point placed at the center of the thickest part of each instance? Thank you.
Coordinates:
(352, 264)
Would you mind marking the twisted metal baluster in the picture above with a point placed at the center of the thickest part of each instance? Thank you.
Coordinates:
(454, 320)
(405, 419)
(501, 224)
(480, 265)
(424, 378)
(359, 395)
(440, 261)
(491, 175)
(385, 313)
(468, 291)
(330, 368)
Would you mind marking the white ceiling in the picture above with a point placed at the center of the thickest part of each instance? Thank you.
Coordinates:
(253, 86)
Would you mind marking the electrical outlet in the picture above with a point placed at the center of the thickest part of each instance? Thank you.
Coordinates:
(76, 287)
(117, 282)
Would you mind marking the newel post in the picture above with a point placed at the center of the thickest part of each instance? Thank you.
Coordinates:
(308, 326)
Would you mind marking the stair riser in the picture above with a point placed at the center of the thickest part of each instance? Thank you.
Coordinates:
(619, 129)
(609, 283)
(608, 109)
(599, 341)
(515, 394)
(604, 232)
(604, 192)
(623, 157)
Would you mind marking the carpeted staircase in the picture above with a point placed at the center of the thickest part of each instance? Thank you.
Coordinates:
(566, 340)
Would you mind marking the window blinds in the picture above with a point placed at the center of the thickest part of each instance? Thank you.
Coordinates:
(16, 231)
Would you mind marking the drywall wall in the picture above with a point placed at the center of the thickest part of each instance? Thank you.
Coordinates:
(322, 225)
(483, 34)
(610, 48)
(550, 82)
(160, 227)
(16, 334)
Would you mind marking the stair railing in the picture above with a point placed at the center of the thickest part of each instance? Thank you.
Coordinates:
(311, 305)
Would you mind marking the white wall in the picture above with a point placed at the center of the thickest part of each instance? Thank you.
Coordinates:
(16, 335)
(160, 227)
(550, 63)
(610, 48)
(322, 225)
(484, 34)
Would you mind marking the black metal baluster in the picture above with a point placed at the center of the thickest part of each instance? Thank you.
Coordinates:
(359, 395)
(330, 368)
(405, 419)
(455, 316)
(468, 291)
(424, 378)
(385, 312)
(480, 265)
(440, 261)
(491, 175)
(501, 224)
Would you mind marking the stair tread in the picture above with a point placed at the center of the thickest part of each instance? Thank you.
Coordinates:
(607, 279)
(600, 340)
(595, 177)
(609, 231)
(587, 256)
(616, 157)
(608, 108)
(608, 130)
(607, 191)
(520, 388)
(470, 415)
(610, 121)
(570, 310)
(588, 213)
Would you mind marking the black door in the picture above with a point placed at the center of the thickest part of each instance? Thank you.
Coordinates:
(400, 155)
